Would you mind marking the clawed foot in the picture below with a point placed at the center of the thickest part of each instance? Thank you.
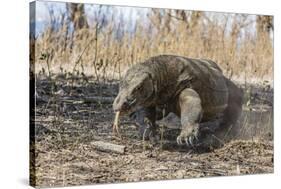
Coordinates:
(188, 136)
(147, 130)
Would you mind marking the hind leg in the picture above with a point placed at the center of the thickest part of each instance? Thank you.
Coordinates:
(232, 113)
(228, 127)
(190, 112)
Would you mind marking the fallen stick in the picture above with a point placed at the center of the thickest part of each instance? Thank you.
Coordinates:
(109, 147)
(92, 99)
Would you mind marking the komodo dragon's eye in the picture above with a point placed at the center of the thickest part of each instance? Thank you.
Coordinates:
(138, 88)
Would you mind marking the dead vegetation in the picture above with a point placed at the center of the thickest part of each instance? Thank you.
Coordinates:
(110, 42)
(77, 72)
(71, 130)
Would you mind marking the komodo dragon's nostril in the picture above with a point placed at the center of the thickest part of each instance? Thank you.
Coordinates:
(125, 105)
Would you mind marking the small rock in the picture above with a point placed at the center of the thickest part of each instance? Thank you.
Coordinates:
(180, 174)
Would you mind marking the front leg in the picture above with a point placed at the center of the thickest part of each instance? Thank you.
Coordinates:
(145, 120)
(191, 113)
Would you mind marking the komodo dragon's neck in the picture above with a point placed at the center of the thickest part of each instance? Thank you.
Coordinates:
(164, 78)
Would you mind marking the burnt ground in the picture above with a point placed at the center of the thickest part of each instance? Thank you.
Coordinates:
(73, 112)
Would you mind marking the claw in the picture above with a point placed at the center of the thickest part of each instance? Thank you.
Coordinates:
(179, 140)
(196, 137)
(191, 140)
(186, 141)
(144, 133)
(150, 134)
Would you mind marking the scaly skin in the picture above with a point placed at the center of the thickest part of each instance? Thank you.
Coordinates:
(193, 89)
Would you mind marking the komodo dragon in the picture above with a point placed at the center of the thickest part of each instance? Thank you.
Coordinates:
(193, 89)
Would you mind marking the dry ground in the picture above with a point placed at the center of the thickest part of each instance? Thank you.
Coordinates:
(70, 115)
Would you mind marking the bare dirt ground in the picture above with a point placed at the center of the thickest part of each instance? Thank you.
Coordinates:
(72, 112)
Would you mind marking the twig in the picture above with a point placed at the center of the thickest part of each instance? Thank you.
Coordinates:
(80, 56)
(176, 17)
(212, 171)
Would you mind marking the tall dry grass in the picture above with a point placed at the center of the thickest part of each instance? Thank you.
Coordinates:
(231, 40)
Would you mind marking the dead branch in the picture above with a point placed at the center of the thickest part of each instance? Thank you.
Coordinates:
(93, 99)
(176, 17)
(109, 147)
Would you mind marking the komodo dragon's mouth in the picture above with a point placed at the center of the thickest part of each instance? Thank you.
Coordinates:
(126, 108)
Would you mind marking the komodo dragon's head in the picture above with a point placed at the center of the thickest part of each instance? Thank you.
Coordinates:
(135, 90)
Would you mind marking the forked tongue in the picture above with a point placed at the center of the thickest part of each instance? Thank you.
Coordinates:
(115, 123)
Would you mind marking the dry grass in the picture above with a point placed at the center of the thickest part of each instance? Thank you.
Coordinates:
(229, 39)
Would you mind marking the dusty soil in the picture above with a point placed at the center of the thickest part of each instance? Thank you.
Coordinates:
(68, 119)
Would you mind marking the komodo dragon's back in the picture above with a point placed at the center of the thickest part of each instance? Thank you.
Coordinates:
(209, 82)
(175, 73)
